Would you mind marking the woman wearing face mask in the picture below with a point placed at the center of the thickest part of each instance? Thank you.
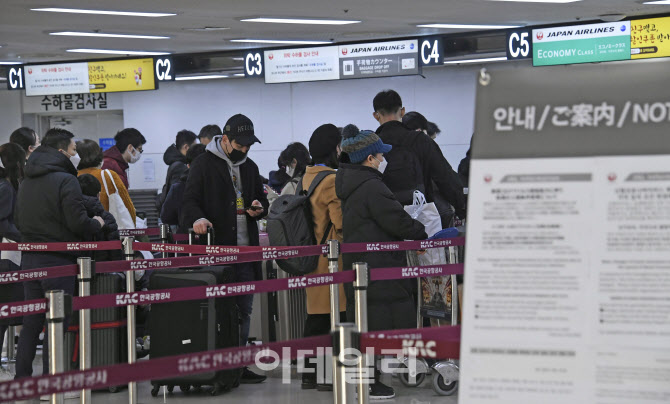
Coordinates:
(372, 214)
(91, 161)
(296, 159)
(12, 160)
(128, 150)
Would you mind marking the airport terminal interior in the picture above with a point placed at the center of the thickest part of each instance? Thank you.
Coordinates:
(475, 191)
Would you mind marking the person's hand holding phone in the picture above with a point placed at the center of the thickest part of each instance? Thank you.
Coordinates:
(256, 209)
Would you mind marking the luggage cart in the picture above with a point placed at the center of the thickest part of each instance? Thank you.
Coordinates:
(438, 299)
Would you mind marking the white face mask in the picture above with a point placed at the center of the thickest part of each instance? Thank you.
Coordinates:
(290, 171)
(382, 165)
(75, 160)
(135, 156)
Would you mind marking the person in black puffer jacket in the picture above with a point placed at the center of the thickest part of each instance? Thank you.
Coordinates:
(371, 213)
(90, 189)
(172, 206)
(49, 208)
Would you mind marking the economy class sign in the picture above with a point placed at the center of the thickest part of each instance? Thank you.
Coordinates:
(121, 75)
(650, 38)
(581, 44)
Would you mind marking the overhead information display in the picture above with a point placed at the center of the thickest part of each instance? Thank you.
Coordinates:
(650, 38)
(581, 44)
(380, 59)
(305, 64)
(90, 77)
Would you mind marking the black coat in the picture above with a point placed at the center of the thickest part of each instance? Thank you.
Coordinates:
(177, 168)
(7, 203)
(210, 194)
(171, 209)
(435, 167)
(372, 214)
(109, 232)
(49, 205)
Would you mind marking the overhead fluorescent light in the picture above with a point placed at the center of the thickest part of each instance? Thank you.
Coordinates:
(239, 59)
(658, 2)
(279, 41)
(118, 52)
(480, 60)
(205, 77)
(102, 12)
(238, 74)
(11, 63)
(541, 1)
(467, 26)
(103, 35)
(205, 29)
(301, 21)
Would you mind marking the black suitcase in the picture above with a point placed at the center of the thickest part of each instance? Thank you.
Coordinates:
(194, 326)
(108, 329)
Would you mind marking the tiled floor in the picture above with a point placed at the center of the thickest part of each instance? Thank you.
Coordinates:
(272, 391)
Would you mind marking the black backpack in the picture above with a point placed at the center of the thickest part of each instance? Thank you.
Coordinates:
(290, 223)
(404, 174)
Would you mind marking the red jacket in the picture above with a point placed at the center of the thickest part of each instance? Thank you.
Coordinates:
(114, 161)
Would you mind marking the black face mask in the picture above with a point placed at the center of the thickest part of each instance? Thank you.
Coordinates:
(235, 155)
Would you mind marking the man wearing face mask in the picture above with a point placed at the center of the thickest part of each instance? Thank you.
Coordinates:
(371, 213)
(49, 208)
(128, 150)
(224, 190)
(416, 162)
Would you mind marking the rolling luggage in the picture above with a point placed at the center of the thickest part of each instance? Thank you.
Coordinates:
(108, 329)
(194, 326)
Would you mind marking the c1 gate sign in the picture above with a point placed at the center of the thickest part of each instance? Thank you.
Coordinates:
(581, 44)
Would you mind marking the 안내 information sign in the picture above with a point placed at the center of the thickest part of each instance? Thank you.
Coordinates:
(581, 44)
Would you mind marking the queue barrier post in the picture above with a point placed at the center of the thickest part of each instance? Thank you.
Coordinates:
(86, 273)
(59, 304)
(165, 236)
(11, 346)
(343, 342)
(333, 263)
(130, 288)
(361, 297)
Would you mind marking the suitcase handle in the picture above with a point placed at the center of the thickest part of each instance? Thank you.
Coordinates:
(192, 236)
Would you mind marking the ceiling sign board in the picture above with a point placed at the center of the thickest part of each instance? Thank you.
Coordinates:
(90, 77)
(253, 64)
(581, 44)
(519, 44)
(380, 59)
(304, 64)
(650, 38)
(432, 51)
(15, 80)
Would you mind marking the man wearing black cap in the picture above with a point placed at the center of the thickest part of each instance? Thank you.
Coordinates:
(224, 190)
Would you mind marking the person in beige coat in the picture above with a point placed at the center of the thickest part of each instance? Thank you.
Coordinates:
(326, 209)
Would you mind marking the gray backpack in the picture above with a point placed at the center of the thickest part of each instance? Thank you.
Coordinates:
(290, 223)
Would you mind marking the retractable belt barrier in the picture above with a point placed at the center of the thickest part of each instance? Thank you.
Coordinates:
(216, 255)
(18, 309)
(441, 342)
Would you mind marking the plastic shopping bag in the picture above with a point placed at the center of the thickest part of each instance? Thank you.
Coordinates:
(427, 214)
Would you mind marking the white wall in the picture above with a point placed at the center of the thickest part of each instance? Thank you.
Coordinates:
(10, 113)
(284, 113)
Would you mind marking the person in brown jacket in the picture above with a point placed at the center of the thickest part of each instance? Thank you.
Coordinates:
(326, 209)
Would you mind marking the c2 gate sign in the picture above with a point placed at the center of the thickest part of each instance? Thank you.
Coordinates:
(581, 44)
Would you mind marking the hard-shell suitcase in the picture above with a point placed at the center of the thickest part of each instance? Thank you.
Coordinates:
(108, 328)
(203, 325)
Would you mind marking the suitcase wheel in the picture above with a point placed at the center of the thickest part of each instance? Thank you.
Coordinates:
(185, 388)
(154, 390)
